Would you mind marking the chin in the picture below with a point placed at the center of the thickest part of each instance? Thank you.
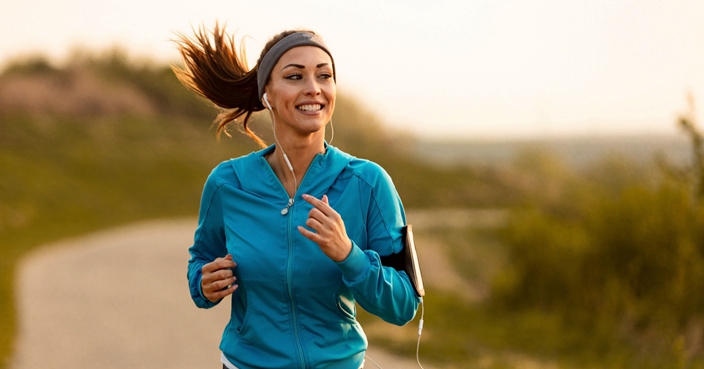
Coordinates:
(313, 126)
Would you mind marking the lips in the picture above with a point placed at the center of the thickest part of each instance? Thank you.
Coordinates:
(310, 107)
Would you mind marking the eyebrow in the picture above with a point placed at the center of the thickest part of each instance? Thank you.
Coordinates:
(300, 66)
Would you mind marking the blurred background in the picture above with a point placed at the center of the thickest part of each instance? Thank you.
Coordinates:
(548, 150)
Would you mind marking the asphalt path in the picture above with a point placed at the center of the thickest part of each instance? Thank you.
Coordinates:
(118, 299)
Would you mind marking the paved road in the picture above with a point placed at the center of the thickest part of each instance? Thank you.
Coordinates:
(118, 299)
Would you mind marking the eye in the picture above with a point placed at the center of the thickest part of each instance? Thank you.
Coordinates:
(293, 76)
(325, 75)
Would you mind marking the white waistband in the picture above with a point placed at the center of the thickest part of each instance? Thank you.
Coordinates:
(229, 365)
(226, 362)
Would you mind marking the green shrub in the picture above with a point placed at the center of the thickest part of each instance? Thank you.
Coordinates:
(618, 247)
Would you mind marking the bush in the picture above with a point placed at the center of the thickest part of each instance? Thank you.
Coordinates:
(616, 247)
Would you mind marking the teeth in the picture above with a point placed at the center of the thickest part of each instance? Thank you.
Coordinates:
(312, 107)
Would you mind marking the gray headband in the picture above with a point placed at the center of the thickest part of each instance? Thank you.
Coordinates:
(284, 45)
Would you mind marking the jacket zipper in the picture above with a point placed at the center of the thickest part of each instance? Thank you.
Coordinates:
(285, 212)
(289, 273)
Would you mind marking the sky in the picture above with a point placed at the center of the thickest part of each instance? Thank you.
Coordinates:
(480, 69)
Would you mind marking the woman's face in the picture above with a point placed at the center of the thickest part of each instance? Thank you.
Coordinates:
(301, 90)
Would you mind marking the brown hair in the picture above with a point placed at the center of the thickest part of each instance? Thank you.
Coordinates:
(215, 71)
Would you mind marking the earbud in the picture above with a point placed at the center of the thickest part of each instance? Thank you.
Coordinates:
(266, 101)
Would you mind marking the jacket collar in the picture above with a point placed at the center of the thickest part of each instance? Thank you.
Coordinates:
(257, 177)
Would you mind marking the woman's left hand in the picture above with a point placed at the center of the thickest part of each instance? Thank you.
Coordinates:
(330, 234)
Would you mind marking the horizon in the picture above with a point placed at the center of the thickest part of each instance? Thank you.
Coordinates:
(487, 70)
(675, 134)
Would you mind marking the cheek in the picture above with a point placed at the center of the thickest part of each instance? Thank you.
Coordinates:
(280, 95)
(331, 95)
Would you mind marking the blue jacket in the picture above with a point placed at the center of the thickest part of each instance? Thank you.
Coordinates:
(295, 307)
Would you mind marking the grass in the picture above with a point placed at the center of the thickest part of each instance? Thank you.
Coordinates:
(462, 334)
(66, 177)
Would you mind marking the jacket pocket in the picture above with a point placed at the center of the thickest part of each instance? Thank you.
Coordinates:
(241, 308)
(346, 306)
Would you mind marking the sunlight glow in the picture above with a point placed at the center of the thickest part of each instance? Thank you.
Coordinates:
(447, 68)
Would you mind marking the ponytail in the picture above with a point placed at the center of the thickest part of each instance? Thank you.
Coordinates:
(215, 71)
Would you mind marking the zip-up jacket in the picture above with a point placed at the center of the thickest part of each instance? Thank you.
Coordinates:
(295, 307)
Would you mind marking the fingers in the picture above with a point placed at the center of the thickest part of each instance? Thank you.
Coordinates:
(327, 229)
(211, 282)
(310, 235)
(322, 217)
(216, 290)
(217, 279)
(322, 211)
(317, 217)
(322, 205)
(219, 263)
(219, 295)
(219, 275)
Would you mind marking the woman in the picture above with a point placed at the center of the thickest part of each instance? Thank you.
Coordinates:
(293, 232)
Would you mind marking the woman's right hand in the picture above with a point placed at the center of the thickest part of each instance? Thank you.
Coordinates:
(218, 280)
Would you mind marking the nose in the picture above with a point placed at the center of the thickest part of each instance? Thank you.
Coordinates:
(312, 87)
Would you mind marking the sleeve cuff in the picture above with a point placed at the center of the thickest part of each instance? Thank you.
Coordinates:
(200, 288)
(355, 265)
(200, 299)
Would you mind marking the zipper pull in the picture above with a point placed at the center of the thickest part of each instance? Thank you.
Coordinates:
(284, 211)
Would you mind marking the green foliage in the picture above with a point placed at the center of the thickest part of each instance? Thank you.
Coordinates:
(618, 248)
(155, 81)
(62, 178)
(687, 123)
(113, 69)
(461, 335)
(29, 65)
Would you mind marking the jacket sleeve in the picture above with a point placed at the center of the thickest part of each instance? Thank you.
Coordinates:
(209, 240)
(380, 290)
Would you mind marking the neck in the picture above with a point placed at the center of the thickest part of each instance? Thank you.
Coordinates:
(300, 153)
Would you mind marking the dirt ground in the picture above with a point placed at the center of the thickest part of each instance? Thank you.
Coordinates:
(118, 299)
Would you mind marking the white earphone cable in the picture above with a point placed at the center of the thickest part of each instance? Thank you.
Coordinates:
(278, 144)
(332, 129)
(420, 331)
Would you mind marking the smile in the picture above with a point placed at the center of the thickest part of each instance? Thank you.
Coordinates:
(310, 107)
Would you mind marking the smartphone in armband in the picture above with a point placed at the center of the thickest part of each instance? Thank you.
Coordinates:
(407, 260)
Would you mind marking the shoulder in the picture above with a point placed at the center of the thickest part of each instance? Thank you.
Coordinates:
(369, 172)
(222, 173)
(359, 167)
(227, 171)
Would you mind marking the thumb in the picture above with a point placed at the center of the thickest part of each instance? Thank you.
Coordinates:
(325, 200)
